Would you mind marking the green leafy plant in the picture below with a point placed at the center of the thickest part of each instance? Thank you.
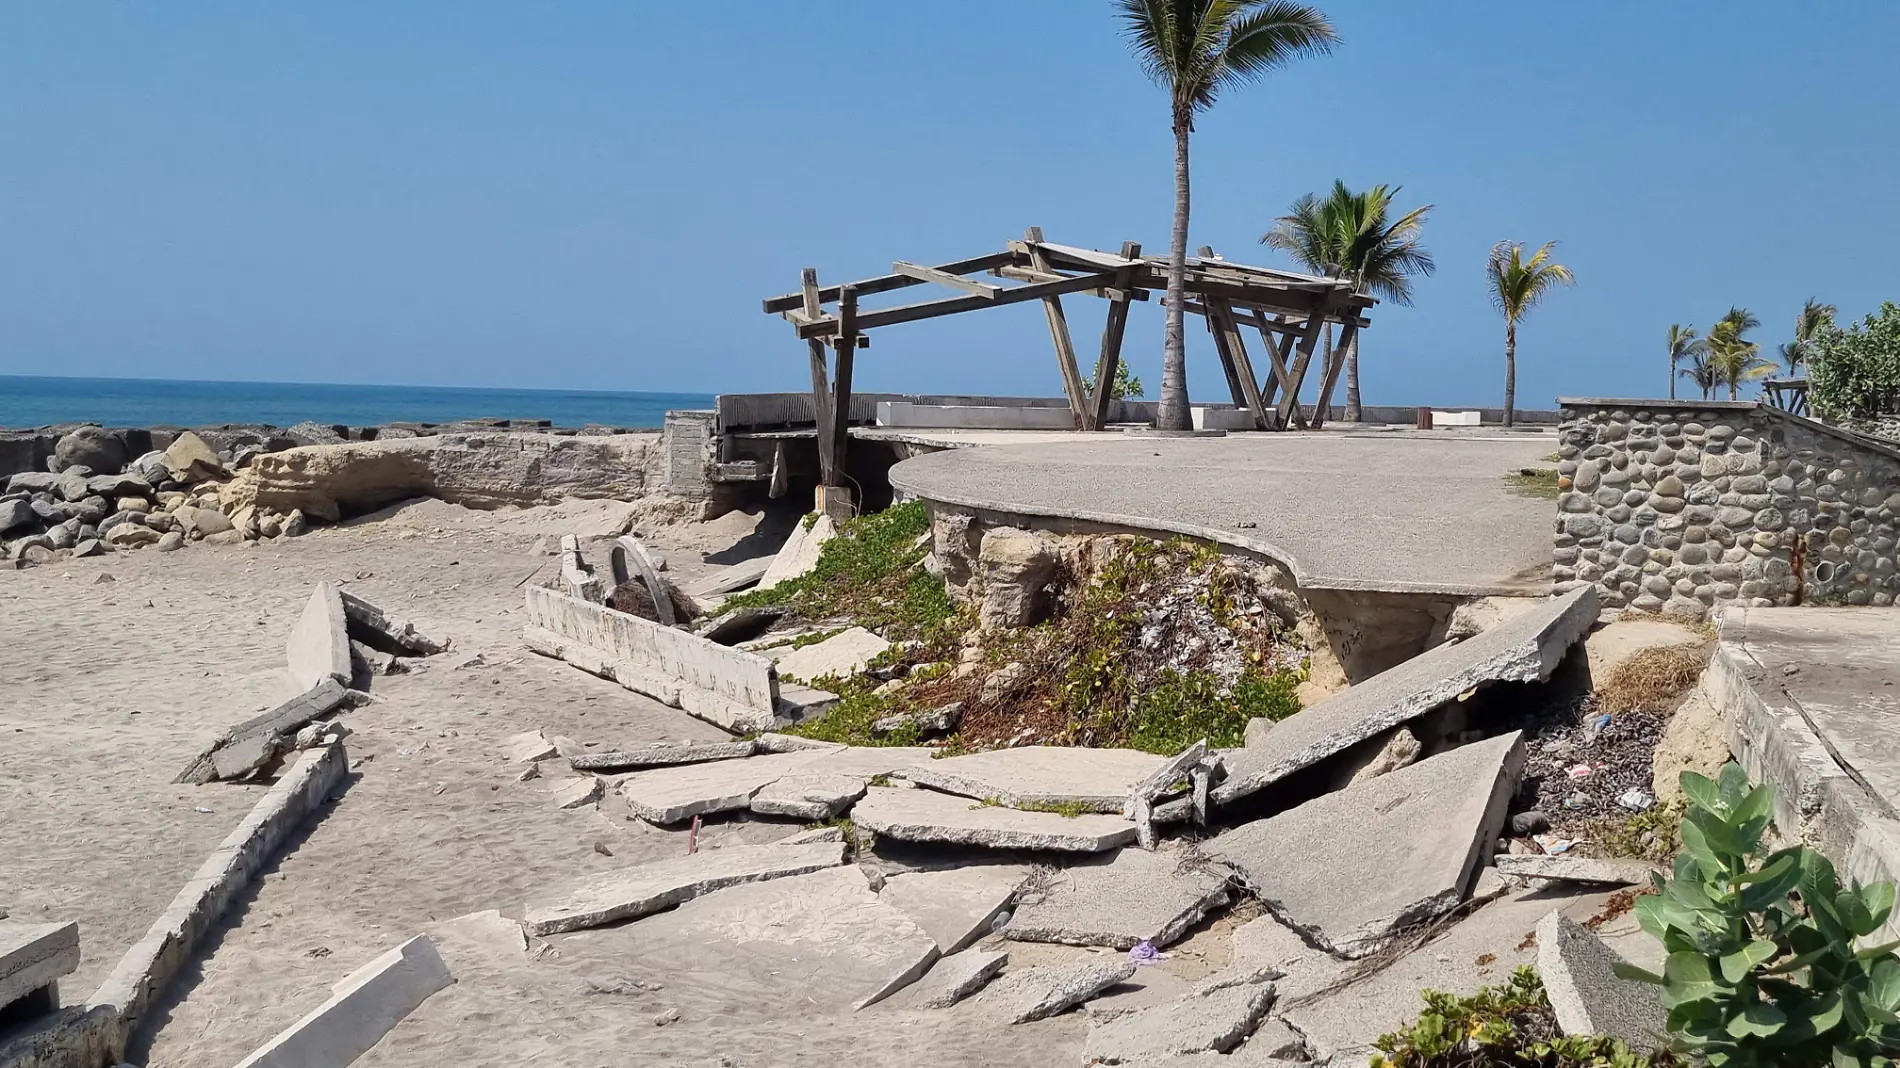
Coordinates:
(1511, 1025)
(1762, 964)
(1126, 386)
(1854, 372)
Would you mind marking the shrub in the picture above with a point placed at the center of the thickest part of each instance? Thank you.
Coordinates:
(1762, 967)
(1854, 373)
(1511, 1025)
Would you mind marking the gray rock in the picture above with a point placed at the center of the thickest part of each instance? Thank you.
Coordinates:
(1135, 896)
(1587, 995)
(15, 514)
(957, 976)
(941, 720)
(1524, 648)
(1207, 1021)
(171, 542)
(1044, 992)
(1099, 780)
(89, 547)
(808, 795)
(90, 446)
(956, 906)
(63, 535)
(657, 756)
(150, 467)
(1528, 823)
(929, 816)
(32, 482)
(638, 890)
(92, 509)
(50, 510)
(129, 484)
(309, 433)
(1418, 835)
(116, 518)
(71, 486)
(1608, 871)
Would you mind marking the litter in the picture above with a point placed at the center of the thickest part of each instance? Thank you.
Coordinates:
(1581, 771)
(1552, 844)
(1635, 800)
(1144, 953)
(1577, 802)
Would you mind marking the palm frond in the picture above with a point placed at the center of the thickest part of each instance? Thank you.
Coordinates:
(1519, 284)
(1195, 48)
(1350, 234)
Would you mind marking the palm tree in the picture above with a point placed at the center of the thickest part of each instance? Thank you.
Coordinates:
(1683, 343)
(1814, 315)
(1734, 359)
(1701, 372)
(1517, 285)
(1351, 235)
(1195, 49)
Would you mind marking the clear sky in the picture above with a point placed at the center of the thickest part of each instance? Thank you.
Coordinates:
(598, 195)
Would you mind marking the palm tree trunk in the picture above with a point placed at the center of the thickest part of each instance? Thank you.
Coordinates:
(1731, 389)
(1353, 410)
(1510, 373)
(1672, 376)
(1173, 411)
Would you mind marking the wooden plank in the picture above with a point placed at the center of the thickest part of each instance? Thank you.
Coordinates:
(1079, 405)
(820, 379)
(1086, 259)
(945, 278)
(910, 313)
(847, 345)
(1277, 353)
(1333, 368)
(1223, 348)
(1030, 274)
(1108, 363)
(1290, 414)
(886, 283)
(1223, 317)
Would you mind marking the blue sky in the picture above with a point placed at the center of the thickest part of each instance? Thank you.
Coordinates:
(596, 195)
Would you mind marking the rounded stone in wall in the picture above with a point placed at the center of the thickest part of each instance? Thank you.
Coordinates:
(1612, 431)
(1767, 539)
(1634, 497)
(1734, 517)
(1858, 597)
(1608, 497)
(1693, 554)
(1597, 452)
(1882, 599)
(1756, 501)
(1657, 586)
(1646, 603)
(1704, 493)
(1565, 556)
(1669, 486)
(1781, 484)
(1749, 484)
(1576, 502)
(1695, 429)
(1694, 535)
(1688, 454)
(1619, 513)
(1753, 588)
(1663, 454)
(1583, 526)
(1725, 573)
(1669, 505)
(1587, 476)
(1627, 534)
(1635, 554)
(1684, 608)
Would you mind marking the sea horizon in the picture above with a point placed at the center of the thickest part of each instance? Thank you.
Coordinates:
(29, 402)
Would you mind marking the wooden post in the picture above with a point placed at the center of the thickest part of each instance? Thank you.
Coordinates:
(1108, 364)
(1221, 346)
(1290, 414)
(820, 380)
(1333, 368)
(1059, 333)
(847, 345)
(1227, 338)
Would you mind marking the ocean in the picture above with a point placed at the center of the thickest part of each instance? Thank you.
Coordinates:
(34, 401)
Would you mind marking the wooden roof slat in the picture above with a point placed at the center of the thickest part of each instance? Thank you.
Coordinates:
(930, 309)
(888, 282)
(945, 279)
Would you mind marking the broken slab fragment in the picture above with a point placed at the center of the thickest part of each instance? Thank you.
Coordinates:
(663, 755)
(1209, 1020)
(1044, 992)
(1586, 994)
(957, 976)
(731, 579)
(1417, 837)
(1135, 896)
(808, 796)
(1620, 871)
(844, 654)
(374, 628)
(361, 1010)
(1031, 776)
(529, 746)
(33, 956)
(319, 644)
(928, 816)
(940, 720)
(800, 552)
(1526, 648)
(576, 793)
(739, 625)
(955, 906)
(669, 795)
(640, 889)
(280, 723)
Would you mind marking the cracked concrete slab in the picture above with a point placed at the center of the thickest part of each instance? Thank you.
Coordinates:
(843, 654)
(1099, 780)
(957, 976)
(1525, 648)
(640, 889)
(957, 905)
(1587, 995)
(34, 955)
(808, 795)
(669, 795)
(1611, 871)
(1043, 992)
(1205, 1021)
(1135, 896)
(663, 755)
(927, 816)
(1418, 835)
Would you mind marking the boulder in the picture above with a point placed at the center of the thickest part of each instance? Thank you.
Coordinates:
(32, 482)
(63, 535)
(15, 514)
(129, 484)
(90, 446)
(131, 535)
(1015, 568)
(202, 521)
(89, 547)
(71, 486)
(171, 542)
(189, 459)
(151, 467)
(92, 509)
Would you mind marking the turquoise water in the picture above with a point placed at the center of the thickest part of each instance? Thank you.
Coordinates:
(32, 401)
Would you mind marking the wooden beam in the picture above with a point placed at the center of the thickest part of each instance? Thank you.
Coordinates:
(909, 313)
(1081, 259)
(1225, 351)
(1290, 414)
(1223, 320)
(1030, 274)
(1277, 352)
(1108, 363)
(945, 278)
(847, 345)
(1079, 405)
(820, 380)
(886, 283)
(1333, 367)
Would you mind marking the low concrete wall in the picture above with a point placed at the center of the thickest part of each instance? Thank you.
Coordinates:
(973, 417)
(728, 687)
(1680, 508)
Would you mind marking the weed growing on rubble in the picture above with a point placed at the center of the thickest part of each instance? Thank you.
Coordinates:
(1537, 482)
(1510, 1026)
(1653, 834)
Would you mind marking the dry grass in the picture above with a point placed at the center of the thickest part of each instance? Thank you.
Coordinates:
(1652, 678)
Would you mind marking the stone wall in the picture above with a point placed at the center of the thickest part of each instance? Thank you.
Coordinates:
(1677, 508)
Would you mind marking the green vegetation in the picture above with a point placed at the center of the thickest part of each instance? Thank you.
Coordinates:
(1538, 482)
(1125, 386)
(1731, 358)
(1854, 373)
(1517, 285)
(1654, 834)
(1177, 710)
(1511, 1026)
(1814, 318)
(1068, 809)
(1763, 967)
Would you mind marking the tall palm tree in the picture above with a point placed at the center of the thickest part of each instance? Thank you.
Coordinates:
(1701, 372)
(1195, 49)
(1683, 343)
(1814, 315)
(1517, 285)
(1352, 235)
(1732, 357)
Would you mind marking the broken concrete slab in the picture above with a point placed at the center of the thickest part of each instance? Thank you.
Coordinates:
(361, 1010)
(808, 795)
(940, 720)
(376, 629)
(34, 956)
(319, 644)
(641, 889)
(282, 722)
(1611, 871)
(1586, 994)
(815, 834)
(669, 795)
(956, 906)
(1526, 648)
(367, 662)
(844, 654)
(664, 754)
(529, 746)
(739, 625)
(928, 816)
(1419, 834)
(773, 742)
(1401, 749)
(873, 760)
(800, 552)
(798, 703)
(1206, 1021)
(1098, 780)
(957, 976)
(1044, 992)
(1140, 803)
(731, 579)
(576, 793)
(1135, 896)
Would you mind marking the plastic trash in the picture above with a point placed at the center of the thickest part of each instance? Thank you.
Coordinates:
(1635, 800)
(1144, 953)
(1552, 844)
(1581, 771)
(1577, 802)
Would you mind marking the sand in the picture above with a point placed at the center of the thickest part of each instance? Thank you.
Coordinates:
(108, 689)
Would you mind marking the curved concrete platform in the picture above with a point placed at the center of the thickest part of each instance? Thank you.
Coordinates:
(1400, 512)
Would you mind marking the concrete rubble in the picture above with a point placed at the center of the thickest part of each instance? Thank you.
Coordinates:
(577, 792)
(1567, 868)
(843, 654)
(956, 906)
(1525, 648)
(254, 743)
(319, 644)
(929, 816)
(1033, 776)
(957, 976)
(1586, 994)
(663, 755)
(363, 1008)
(669, 795)
(808, 796)
(1213, 1019)
(34, 956)
(800, 552)
(1134, 896)
(375, 628)
(1419, 834)
(528, 747)
(640, 889)
(1043, 992)
(1190, 762)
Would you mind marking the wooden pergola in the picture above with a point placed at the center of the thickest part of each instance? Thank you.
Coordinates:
(1289, 311)
(1788, 394)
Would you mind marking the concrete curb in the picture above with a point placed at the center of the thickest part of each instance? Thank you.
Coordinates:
(150, 966)
(362, 1008)
(319, 644)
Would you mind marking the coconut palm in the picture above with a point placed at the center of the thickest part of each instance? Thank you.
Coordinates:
(1517, 285)
(1195, 49)
(1683, 343)
(1352, 235)
(1814, 315)
(1734, 359)
(1701, 372)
